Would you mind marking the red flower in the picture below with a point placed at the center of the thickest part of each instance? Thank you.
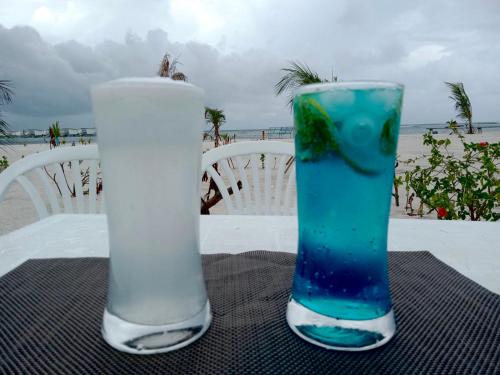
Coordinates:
(442, 213)
(483, 144)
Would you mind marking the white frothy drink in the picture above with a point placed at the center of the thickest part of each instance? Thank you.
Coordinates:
(149, 136)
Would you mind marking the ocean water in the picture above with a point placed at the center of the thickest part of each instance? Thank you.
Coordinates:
(344, 187)
(441, 128)
(255, 134)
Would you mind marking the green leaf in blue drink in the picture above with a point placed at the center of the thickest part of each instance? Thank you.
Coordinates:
(317, 136)
(388, 136)
(314, 129)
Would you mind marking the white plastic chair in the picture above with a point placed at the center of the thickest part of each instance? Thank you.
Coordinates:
(36, 166)
(278, 195)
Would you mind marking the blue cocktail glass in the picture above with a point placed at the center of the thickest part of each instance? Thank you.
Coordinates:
(345, 140)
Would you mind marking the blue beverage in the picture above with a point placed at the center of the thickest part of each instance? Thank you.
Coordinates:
(346, 140)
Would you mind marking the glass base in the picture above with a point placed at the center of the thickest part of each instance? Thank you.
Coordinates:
(144, 339)
(339, 334)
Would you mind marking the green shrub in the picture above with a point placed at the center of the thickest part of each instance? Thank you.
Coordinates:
(4, 163)
(466, 187)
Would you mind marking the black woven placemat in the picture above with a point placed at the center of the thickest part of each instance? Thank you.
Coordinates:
(51, 311)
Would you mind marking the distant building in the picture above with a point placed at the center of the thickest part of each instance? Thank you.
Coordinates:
(73, 132)
(69, 132)
(64, 132)
(40, 133)
(88, 131)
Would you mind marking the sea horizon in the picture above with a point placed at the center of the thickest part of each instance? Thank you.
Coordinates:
(250, 133)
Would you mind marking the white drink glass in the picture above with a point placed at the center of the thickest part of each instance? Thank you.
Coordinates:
(149, 139)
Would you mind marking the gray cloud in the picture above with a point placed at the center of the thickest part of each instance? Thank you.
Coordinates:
(238, 61)
(43, 81)
(53, 81)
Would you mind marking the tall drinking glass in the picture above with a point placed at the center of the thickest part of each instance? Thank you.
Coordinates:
(345, 140)
(149, 137)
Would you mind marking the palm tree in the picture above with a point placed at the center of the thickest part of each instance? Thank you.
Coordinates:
(452, 123)
(296, 75)
(169, 69)
(462, 103)
(6, 95)
(216, 117)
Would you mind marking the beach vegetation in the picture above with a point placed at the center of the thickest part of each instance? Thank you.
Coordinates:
(452, 124)
(168, 68)
(4, 163)
(226, 138)
(463, 106)
(397, 183)
(216, 117)
(456, 187)
(6, 95)
(295, 75)
(84, 141)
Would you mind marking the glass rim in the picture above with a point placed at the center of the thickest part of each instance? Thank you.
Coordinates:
(361, 84)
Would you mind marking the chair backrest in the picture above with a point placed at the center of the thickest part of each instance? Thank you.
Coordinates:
(60, 174)
(272, 164)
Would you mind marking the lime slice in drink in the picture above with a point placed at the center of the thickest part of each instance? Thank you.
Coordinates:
(360, 140)
(366, 144)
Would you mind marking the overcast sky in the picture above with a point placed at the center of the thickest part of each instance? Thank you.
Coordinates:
(53, 50)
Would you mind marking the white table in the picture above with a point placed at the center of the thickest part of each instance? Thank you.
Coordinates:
(472, 248)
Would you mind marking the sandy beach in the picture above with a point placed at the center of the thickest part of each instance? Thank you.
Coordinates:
(16, 209)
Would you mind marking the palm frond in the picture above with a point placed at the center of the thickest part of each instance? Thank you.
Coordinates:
(4, 128)
(463, 106)
(6, 92)
(215, 116)
(296, 75)
(6, 95)
(168, 68)
(4, 133)
(164, 69)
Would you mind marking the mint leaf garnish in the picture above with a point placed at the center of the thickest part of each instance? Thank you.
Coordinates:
(314, 129)
(388, 136)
